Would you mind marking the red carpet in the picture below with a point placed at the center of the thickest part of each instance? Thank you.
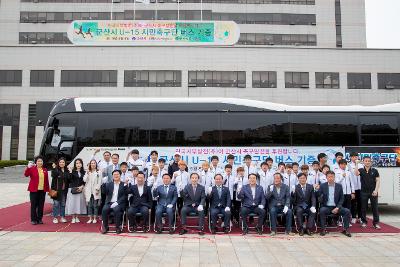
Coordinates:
(17, 218)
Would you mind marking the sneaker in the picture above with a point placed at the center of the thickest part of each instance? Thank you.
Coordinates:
(273, 233)
(63, 220)
(364, 225)
(353, 221)
(90, 221)
(350, 225)
(340, 224)
(72, 221)
(94, 221)
(77, 220)
(377, 226)
(55, 220)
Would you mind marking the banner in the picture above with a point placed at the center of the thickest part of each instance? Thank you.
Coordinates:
(153, 32)
(194, 156)
(380, 156)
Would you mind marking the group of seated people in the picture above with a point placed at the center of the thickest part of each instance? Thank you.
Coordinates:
(249, 203)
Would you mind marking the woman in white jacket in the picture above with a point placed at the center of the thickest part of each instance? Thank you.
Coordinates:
(93, 180)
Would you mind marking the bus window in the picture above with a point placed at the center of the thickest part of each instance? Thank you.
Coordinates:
(113, 129)
(324, 129)
(379, 130)
(255, 129)
(185, 129)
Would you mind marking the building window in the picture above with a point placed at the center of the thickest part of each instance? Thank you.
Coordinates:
(338, 19)
(359, 80)
(10, 115)
(217, 79)
(328, 80)
(297, 80)
(264, 79)
(44, 78)
(10, 77)
(43, 38)
(30, 150)
(277, 39)
(389, 80)
(152, 78)
(89, 78)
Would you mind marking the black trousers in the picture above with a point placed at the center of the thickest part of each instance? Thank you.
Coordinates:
(118, 212)
(374, 206)
(356, 205)
(347, 201)
(37, 204)
(300, 219)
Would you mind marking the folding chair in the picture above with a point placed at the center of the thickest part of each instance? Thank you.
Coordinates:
(219, 222)
(164, 222)
(305, 216)
(139, 228)
(112, 228)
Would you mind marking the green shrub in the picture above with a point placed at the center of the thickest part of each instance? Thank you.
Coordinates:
(8, 163)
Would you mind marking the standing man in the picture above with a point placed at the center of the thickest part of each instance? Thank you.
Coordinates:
(194, 198)
(370, 184)
(278, 197)
(105, 162)
(108, 177)
(220, 203)
(253, 201)
(173, 167)
(153, 162)
(331, 198)
(304, 201)
(353, 166)
(134, 161)
(166, 196)
(266, 176)
(248, 166)
(215, 168)
(322, 159)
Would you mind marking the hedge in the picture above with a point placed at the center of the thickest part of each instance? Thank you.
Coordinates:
(8, 163)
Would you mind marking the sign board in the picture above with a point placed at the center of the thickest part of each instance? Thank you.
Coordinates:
(152, 32)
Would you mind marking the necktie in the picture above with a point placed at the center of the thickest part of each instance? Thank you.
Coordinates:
(219, 191)
(166, 189)
(115, 167)
(304, 190)
(194, 190)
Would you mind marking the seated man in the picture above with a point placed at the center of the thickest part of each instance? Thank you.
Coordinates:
(166, 195)
(253, 201)
(220, 203)
(331, 198)
(140, 201)
(116, 199)
(304, 201)
(278, 197)
(194, 197)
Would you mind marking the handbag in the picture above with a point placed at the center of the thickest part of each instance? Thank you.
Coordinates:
(75, 190)
(53, 193)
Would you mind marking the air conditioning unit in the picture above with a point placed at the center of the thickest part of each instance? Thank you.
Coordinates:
(192, 85)
(305, 86)
(389, 86)
(313, 23)
(116, 1)
(33, 42)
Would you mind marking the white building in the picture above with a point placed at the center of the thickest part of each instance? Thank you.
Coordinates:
(300, 52)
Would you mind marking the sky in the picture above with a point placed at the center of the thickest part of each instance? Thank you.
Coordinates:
(383, 23)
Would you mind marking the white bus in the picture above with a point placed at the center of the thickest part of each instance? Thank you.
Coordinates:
(200, 127)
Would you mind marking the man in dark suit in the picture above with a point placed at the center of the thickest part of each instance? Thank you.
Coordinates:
(253, 201)
(108, 177)
(166, 195)
(278, 196)
(220, 203)
(194, 197)
(304, 201)
(115, 201)
(140, 201)
(331, 197)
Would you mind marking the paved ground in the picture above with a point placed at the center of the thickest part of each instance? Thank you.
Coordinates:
(91, 249)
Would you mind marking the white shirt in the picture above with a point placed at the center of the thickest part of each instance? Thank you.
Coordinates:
(206, 179)
(181, 180)
(249, 169)
(356, 179)
(102, 164)
(229, 181)
(138, 163)
(126, 175)
(313, 177)
(253, 191)
(290, 180)
(322, 178)
(140, 188)
(266, 179)
(217, 170)
(149, 166)
(345, 180)
(114, 197)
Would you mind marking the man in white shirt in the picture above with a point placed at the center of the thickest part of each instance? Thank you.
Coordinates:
(338, 157)
(153, 162)
(313, 175)
(354, 165)
(125, 174)
(215, 168)
(229, 179)
(231, 161)
(105, 162)
(133, 160)
(289, 178)
(206, 176)
(345, 178)
(266, 176)
(248, 167)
